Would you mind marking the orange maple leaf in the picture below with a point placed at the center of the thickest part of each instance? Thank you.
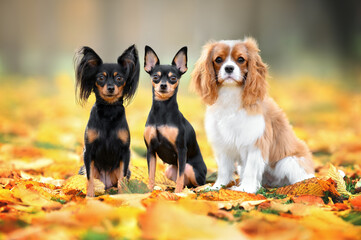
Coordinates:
(312, 186)
(356, 203)
(227, 195)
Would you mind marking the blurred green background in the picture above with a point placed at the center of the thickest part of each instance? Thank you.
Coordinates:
(320, 38)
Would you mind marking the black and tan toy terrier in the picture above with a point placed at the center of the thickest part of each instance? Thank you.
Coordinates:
(107, 138)
(167, 133)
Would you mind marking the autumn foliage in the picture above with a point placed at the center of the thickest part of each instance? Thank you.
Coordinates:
(42, 196)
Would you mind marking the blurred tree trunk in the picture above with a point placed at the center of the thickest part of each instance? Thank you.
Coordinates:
(345, 17)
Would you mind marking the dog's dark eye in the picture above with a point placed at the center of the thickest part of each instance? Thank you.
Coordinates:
(155, 78)
(101, 78)
(240, 60)
(219, 60)
(118, 78)
(173, 79)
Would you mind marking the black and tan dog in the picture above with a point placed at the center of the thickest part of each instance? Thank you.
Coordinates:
(167, 133)
(107, 138)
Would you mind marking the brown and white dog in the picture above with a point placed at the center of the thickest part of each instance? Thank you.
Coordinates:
(245, 127)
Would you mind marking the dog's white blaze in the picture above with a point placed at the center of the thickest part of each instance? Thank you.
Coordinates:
(236, 74)
(232, 134)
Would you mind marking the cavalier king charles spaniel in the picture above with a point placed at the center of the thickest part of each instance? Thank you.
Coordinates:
(245, 126)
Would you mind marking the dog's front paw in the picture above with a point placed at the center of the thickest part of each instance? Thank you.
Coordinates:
(245, 188)
(151, 186)
(215, 187)
(90, 193)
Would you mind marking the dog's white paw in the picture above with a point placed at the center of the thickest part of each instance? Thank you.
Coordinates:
(245, 188)
(213, 188)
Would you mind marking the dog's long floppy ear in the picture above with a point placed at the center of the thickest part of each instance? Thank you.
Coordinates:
(86, 64)
(150, 59)
(255, 87)
(204, 80)
(180, 60)
(130, 60)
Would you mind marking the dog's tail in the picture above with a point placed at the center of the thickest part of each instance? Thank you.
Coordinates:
(128, 174)
(82, 170)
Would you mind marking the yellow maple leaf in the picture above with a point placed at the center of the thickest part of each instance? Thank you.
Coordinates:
(335, 175)
(33, 198)
(79, 183)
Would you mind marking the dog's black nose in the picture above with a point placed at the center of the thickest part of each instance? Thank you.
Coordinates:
(163, 86)
(229, 69)
(110, 88)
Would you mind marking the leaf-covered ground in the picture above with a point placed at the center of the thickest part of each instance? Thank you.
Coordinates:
(42, 197)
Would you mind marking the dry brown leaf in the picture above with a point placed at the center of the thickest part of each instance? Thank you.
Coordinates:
(312, 186)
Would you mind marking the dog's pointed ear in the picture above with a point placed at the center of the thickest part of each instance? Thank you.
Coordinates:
(90, 57)
(150, 59)
(129, 55)
(130, 60)
(180, 60)
(86, 63)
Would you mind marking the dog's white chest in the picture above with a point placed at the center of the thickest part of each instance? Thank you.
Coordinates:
(229, 124)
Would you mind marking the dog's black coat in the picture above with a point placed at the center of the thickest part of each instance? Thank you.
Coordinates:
(107, 116)
(166, 113)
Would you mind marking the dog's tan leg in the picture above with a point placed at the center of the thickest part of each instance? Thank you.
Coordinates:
(152, 164)
(190, 176)
(179, 183)
(90, 184)
(120, 176)
(181, 170)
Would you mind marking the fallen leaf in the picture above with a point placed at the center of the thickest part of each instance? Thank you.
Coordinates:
(78, 183)
(133, 200)
(222, 214)
(249, 205)
(312, 186)
(309, 200)
(340, 207)
(257, 225)
(227, 195)
(356, 203)
(166, 220)
(334, 174)
(33, 198)
(33, 165)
